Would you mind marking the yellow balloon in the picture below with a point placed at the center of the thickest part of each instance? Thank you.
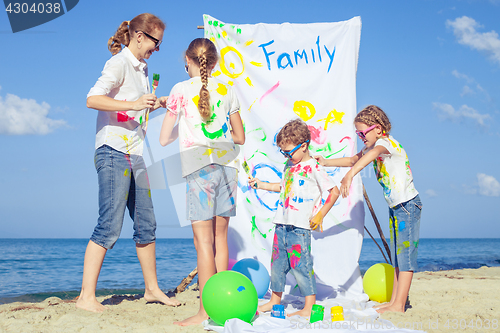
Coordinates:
(378, 282)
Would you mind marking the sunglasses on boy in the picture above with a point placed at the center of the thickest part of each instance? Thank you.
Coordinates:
(289, 153)
(362, 134)
(156, 41)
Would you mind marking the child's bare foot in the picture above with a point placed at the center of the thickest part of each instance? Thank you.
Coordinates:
(392, 308)
(382, 306)
(303, 313)
(90, 305)
(194, 320)
(159, 296)
(266, 307)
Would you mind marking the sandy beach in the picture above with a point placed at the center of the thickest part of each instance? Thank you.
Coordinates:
(453, 301)
(465, 300)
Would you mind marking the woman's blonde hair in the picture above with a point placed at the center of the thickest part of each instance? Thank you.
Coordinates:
(373, 115)
(203, 53)
(143, 22)
(294, 132)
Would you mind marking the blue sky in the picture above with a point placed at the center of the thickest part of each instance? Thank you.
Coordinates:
(433, 66)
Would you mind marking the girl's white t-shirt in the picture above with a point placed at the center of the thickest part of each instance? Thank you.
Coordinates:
(393, 172)
(204, 143)
(302, 187)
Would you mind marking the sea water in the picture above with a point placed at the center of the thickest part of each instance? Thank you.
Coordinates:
(34, 269)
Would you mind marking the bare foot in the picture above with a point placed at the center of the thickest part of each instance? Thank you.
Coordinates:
(90, 305)
(392, 308)
(194, 320)
(266, 307)
(303, 313)
(382, 306)
(159, 296)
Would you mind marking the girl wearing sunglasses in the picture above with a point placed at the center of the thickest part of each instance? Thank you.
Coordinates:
(393, 172)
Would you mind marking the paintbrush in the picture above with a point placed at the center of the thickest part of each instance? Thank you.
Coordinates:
(247, 170)
(156, 78)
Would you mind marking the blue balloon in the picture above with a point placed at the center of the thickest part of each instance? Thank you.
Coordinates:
(256, 272)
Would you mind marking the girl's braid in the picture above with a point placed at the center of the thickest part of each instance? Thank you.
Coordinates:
(204, 101)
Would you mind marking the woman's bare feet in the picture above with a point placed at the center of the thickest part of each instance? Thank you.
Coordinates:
(90, 305)
(159, 296)
(194, 320)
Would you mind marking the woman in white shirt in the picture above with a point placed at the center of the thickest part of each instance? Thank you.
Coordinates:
(123, 98)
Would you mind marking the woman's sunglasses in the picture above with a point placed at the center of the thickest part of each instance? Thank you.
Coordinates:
(362, 134)
(289, 153)
(157, 41)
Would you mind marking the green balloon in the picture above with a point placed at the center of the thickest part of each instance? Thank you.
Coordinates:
(228, 295)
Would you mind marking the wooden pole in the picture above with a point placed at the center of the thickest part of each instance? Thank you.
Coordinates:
(368, 203)
(186, 281)
(382, 251)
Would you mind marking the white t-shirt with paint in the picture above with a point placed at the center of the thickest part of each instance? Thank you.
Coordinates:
(123, 78)
(204, 143)
(302, 187)
(393, 172)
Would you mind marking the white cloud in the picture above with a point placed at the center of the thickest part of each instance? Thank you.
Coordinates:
(472, 87)
(459, 75)
(446, 111)
(431, 193)
(19, 116)
(464, 29)
(488, 185)
(466, 90)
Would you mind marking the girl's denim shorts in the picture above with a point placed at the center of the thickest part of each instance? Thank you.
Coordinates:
(404, 222)
(119, 189)
(211, 191)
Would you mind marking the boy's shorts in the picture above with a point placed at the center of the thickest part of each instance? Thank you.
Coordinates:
(404, 222)
(211, 191)
(292, 251)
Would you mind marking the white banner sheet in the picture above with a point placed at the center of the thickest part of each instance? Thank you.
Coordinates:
(282, 72)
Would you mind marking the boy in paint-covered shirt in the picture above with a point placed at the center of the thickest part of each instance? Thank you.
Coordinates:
(299, 211)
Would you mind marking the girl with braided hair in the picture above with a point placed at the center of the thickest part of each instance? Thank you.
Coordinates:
(209, 129)
(393, 172)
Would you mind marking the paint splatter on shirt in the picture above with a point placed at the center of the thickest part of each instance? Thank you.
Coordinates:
(302, 187)
(204, 142)
(123, 78)
(393, 172)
